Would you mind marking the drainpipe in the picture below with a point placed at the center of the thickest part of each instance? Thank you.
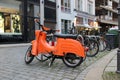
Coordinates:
(118, 52)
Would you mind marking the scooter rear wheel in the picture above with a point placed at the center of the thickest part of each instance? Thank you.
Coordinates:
(72, 60)
(28, 56)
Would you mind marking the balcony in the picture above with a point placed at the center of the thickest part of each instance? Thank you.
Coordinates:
(117, 1)
(108, 20)
(109, 9)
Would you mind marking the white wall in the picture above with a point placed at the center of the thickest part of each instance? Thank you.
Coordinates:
(85, 6)
(70, 16)
(62, 15)
(58, 14)
(93, 7)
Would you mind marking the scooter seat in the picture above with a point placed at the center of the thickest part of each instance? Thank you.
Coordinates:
(72, 36)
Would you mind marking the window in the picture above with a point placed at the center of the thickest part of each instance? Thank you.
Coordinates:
(65, 6)
(80, 5)
(52, 0)
(85, 21)
(79, 20)
(35, 1)
(109, 13)
(50, 10)
(90, 7)
(9, 23)
(66, 24)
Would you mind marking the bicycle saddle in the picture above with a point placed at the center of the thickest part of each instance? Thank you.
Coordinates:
(72, 36)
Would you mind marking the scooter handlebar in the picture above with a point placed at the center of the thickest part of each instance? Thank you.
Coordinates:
(37, 21)
(48, 30)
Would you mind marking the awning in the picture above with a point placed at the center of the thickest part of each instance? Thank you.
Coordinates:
(8, 10)
(84, 25)
(87, 26)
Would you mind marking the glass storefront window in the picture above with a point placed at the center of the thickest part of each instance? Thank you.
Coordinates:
(9, 23)
(1, 24)
(66, 24)
(15, 23)
(10, 17)
(52, 0)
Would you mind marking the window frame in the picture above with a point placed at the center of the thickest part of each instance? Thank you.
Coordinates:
(66, 6)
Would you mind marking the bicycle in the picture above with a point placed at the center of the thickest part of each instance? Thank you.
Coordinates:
(88, 42)
(104, 43)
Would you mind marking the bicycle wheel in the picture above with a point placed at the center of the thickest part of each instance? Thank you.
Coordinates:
(72, 60)
(28, 56)
(108, 46)
(93, 47)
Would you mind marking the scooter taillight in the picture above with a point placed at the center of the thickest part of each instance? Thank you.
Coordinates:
(86, 49)
(52, 43)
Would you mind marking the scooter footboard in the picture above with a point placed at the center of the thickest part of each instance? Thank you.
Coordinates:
(69, 46)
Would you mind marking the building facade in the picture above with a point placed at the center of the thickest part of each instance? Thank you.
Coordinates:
(106, 13)
(9, 19)
(17, 18)
(65, 15)
(85, 10)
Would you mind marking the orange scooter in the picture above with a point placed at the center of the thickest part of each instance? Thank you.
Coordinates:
(67, 48)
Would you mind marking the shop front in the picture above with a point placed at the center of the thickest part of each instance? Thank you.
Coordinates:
(10, 28)
(83, 23)
(17, 20)
(9, 23)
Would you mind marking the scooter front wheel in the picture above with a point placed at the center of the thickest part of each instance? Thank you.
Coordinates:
(72, 60)
(28, 56)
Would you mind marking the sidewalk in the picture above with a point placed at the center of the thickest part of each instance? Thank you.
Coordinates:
(110, 70)
(100, 69)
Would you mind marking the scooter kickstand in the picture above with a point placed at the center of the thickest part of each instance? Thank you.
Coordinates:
(51, 61)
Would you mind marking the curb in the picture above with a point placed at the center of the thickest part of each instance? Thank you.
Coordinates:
(95, 71)
(14, 45)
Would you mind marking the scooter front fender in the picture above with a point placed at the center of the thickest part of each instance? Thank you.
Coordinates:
(34, 47)
(65, 46)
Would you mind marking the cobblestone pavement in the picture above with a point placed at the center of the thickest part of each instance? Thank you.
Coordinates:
(13, 67)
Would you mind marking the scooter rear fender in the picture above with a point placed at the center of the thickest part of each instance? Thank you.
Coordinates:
(64, 46)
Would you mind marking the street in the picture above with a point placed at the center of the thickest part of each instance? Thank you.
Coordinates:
(13, 67)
